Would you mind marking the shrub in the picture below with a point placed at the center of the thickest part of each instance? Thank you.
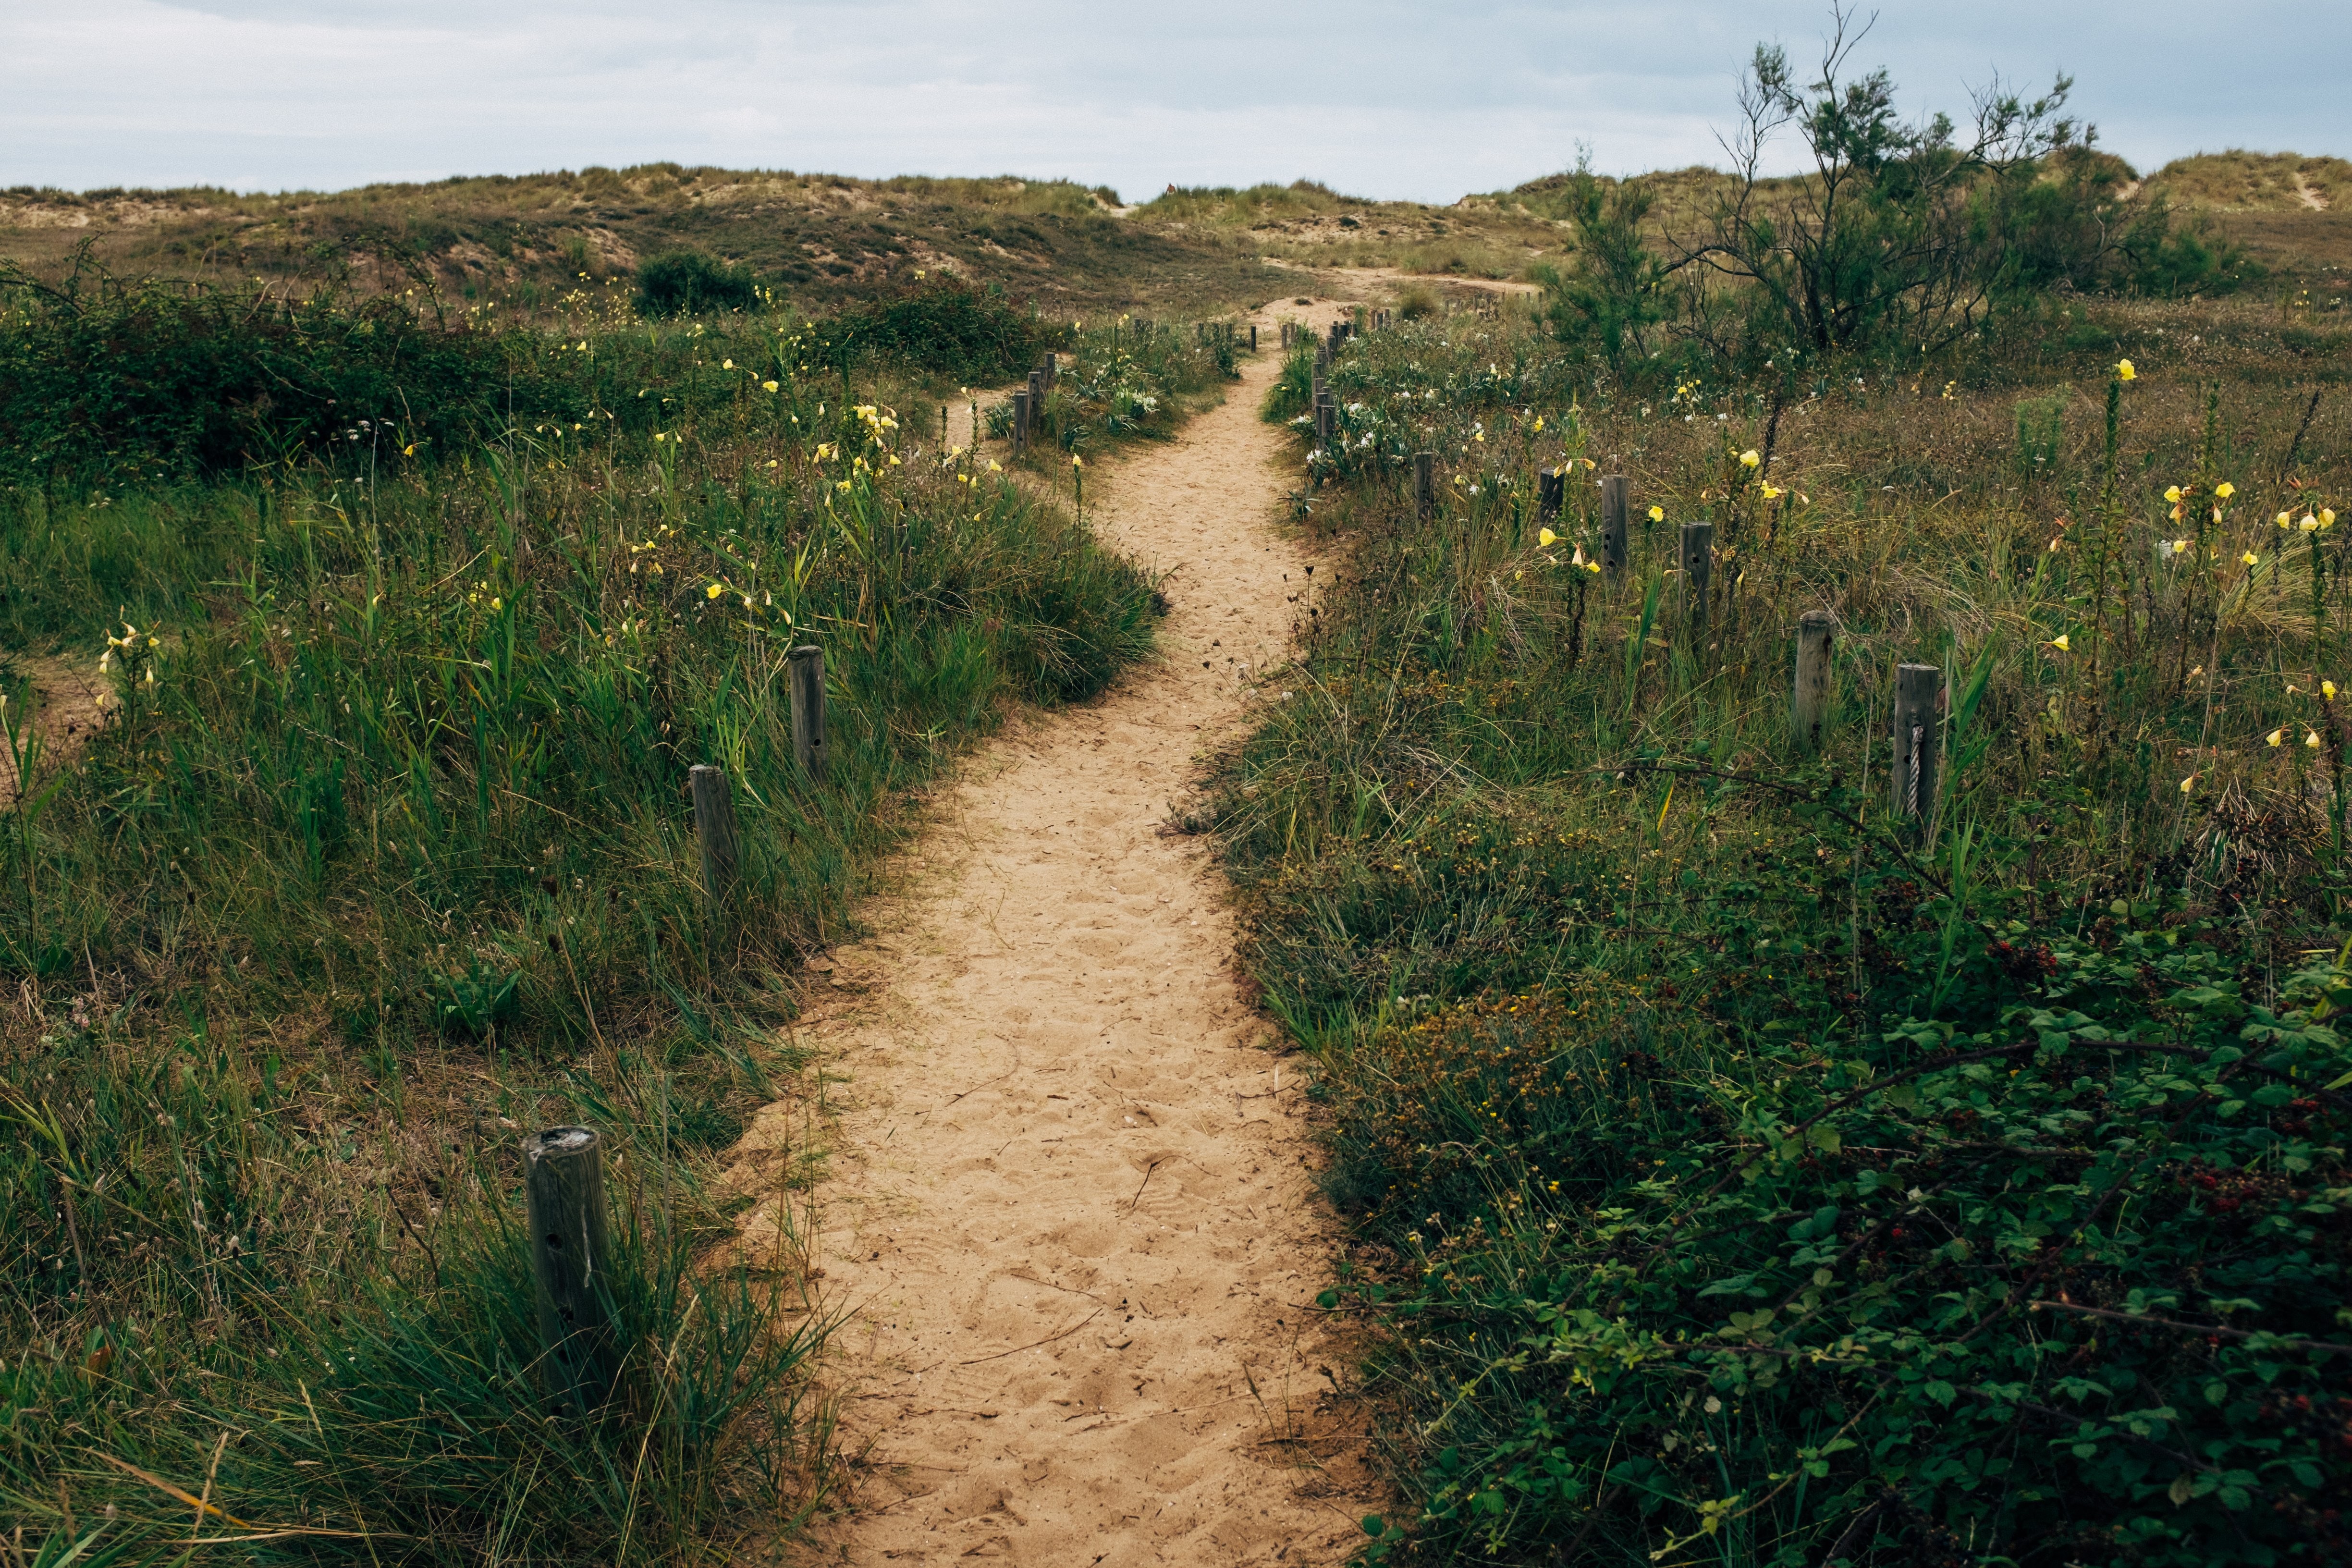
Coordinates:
(100, 377)
(689, 283)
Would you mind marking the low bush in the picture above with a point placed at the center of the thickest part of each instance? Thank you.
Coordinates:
(1742, 1170)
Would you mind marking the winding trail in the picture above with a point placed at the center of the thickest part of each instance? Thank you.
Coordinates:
(1070, 1199)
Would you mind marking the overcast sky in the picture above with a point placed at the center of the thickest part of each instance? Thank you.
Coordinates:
(1377, 98)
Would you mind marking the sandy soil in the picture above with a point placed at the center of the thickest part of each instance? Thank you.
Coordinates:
(1071, 1198)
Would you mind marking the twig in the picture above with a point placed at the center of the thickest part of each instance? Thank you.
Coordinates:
(1141, 1184)
(1048, 1339)
(2321, 1347)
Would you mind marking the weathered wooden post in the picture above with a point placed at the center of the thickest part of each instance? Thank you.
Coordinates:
(1551, 489)
(807, 667)
(1038, 400)
(1809, 705)
(1252, 337)
(1424, 484)
(1021, 421)
(714, 828)
(1698, 570)
(571, 1262)
(1326, 421)
(1612, 524)
(1919, 738)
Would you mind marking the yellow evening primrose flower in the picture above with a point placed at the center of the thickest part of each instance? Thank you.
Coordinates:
(2328, 517)
(1546, 539)
(712, 592)
(1748, 458)
(2311, 738)
(2275, 736)
(2309, 524)
(2188, 784)
(1539, 423)
(496, 602)
(2124, 371)
(2225, 490)
(2327, 691)
(767, 386)
(2285, 520)
(729, 365)
(1773, 492)
(2172, 494)
(1076, 462)
(994, 466)
(2058, 642)
(2251, 559)
(1657, 514)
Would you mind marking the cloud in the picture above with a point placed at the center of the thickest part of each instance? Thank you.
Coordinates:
(1381, 99)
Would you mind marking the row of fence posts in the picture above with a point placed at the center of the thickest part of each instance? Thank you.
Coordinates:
(563, 1169)
(1205, 333)
(1919, 689)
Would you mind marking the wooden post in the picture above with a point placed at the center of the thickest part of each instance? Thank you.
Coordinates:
(1551, 487)
(563, 1184)
(1021, 421)
(1038, 400)
(1919, 738)
(1252, 337)
(1808, 707)
(714, 828)
(1612, 524)
(807, 664)
(1698, 570)
(1424, 484)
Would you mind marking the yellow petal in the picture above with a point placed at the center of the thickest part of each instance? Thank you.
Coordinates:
(1547, 537)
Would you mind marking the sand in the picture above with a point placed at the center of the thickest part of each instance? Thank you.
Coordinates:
(1071, 1198)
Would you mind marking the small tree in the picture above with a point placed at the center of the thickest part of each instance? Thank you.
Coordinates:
(1878, 235)
(1610, 299)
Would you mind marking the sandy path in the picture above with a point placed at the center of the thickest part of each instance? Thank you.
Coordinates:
(1071, 1198)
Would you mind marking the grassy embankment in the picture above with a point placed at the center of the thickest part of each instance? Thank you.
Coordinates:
(381, 855)
(1744, 1172)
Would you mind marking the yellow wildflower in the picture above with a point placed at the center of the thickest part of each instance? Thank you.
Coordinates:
(1657, 514)
(2188, 784)
(2251, 559)
(1546, 539)
(1749, 459)
(712, 592)
(2058, 642)
(2275, 736)
(2124, 371)
(767, 386)
(2225, 490)
(2172, 494)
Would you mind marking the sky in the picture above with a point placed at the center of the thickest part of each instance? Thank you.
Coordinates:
(1377, 99)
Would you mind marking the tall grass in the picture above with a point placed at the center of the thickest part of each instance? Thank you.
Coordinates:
(384, 855)
(1745, 1172)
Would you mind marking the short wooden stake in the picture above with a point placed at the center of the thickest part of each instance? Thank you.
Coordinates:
(1919, 738)
(1424, 484)
(1252, 337)
(1699, 572)
(714, 828)
(571, 1262)
(1551, 488)
(1612, 524)
(1021, 421)
(1036, 400)
(1809, 705)
(806, 664)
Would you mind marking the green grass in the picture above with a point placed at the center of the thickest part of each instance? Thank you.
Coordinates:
(392, 859)
(1738, 1168)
